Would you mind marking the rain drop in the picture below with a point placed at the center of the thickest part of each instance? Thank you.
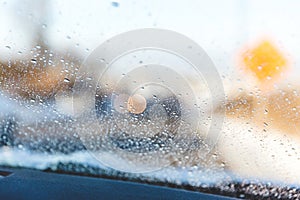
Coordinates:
(34, 61)
(259, 68)
(44, 26)
(66, 80)
(102, 60)
(115, 4)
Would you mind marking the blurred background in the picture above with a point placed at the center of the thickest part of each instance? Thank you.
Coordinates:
(74, 29)
(254, 45)
(220, 27)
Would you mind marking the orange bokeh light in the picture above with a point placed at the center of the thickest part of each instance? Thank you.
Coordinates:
(265, 61)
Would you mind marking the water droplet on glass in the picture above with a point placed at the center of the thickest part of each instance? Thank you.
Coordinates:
(259, 68)
(34, 61)
(115, 4)
(44, 26)
(66, 80)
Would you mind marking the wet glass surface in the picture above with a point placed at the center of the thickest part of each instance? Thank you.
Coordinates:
(78, 97)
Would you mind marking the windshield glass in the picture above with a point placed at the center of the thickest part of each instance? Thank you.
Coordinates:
(202, 95)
